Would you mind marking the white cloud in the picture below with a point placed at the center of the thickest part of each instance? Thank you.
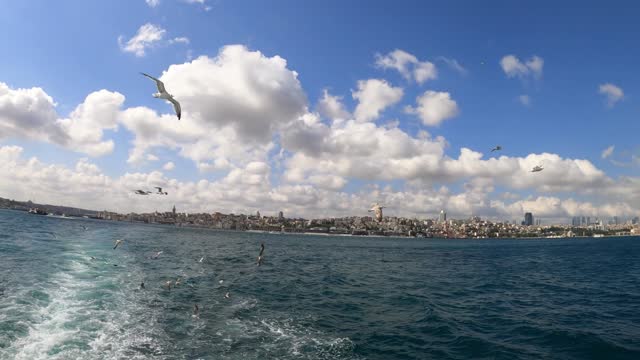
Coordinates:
(612, 92)
(147, 36)
(153, 3)
(402, 61)
(169, 166)
(524, 100)
(331, 106)
(374, 95)
(232, 105)
(30, 114)
(454, 64)
(151, 157)
(247, 189)
(179, 40)
(434, 107)
(513, 67)
(608, 152)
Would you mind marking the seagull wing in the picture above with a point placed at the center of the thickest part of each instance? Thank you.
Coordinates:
(176, 107)
(159, 83)
(159, 188)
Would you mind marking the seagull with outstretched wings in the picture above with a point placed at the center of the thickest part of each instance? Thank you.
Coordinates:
(163, 94)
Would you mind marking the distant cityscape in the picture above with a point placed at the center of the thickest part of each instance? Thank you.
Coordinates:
(440, 227)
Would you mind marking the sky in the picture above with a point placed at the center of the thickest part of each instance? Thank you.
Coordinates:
(319, 109)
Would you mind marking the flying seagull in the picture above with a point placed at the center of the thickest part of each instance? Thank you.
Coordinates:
(537, 168)
(163, 94)
(227, 295)
(156, 255)
(142, 192)
(497, 148)
(260, 256)
(118, 242)
(377, 211)
(160, 191)
(196, 310)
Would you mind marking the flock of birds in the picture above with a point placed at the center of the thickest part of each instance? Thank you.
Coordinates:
(172, 284)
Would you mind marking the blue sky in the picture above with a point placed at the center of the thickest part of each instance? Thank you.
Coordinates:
(71, 49)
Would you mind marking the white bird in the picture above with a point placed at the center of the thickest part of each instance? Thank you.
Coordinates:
(156, 255)
(118, 242)
(220, 282)
(168, 284)
(163, 94)
(377, 210)
(227, 295)
(202, 258)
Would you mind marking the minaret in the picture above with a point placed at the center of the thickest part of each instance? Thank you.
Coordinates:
(174, 211)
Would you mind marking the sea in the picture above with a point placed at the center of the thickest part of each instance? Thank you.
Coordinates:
(65, 293)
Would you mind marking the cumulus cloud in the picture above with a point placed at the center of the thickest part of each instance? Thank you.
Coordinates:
(612, 93)
(434, 107)
(407, 65)
(331, 106)
(169, 166)
(153, 3)
(147, 36)
(247, 189)
(608, 152)
(374, 95)
(232, 105)
(31, 114)
(513, 67)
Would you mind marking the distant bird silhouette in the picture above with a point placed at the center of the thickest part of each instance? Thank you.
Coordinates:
(497, 148)
(118, 242)
(142, 192)
(160, 192)
(537, 168)
(163, 94)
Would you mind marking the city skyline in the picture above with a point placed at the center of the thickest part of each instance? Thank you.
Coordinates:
(277, 117)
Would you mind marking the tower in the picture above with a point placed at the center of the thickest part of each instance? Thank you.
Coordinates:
(174, 211)
(443, 216)
(528, 219)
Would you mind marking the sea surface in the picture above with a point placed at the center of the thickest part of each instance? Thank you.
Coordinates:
(314, 297)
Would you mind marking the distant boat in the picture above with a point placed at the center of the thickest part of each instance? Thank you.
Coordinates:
(37, 211)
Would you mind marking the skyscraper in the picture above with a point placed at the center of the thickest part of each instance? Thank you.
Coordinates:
(280, 215)
(443, 216)
(528, 219)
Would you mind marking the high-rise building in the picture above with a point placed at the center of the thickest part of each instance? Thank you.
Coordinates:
(616, 220)
(635, 220)
(443, 217)
(281, 215)
(258, 214)
(174, 211)
(575, 221)
(528, 219)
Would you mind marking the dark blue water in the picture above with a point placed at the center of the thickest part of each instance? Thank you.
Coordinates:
(314, 297)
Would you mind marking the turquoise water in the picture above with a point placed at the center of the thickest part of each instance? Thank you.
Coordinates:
(314, 297)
